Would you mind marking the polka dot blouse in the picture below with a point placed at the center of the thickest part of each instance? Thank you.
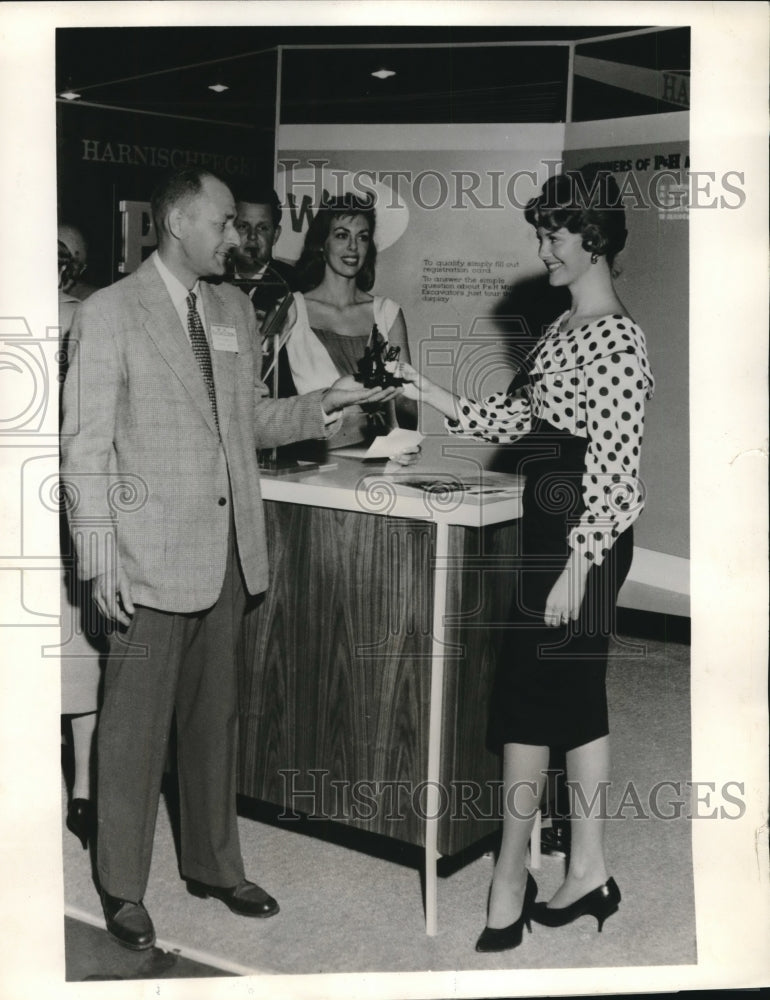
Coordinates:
(591, 381)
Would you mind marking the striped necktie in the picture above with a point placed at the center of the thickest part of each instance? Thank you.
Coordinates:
(201, 351)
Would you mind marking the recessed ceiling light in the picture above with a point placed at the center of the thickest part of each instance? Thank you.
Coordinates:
(69, 95)
(383, 74)
(219, 87)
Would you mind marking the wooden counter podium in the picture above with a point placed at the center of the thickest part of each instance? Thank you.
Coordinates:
(366, 669)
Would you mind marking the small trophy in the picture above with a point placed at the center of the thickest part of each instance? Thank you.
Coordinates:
(371, 367)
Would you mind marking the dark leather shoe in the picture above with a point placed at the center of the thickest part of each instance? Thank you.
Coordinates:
(80, 820)
(128, 923)
(246, 899)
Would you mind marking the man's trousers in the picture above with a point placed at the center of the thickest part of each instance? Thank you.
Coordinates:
(189, 667)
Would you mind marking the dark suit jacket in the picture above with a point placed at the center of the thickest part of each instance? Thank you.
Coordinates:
(266, 291)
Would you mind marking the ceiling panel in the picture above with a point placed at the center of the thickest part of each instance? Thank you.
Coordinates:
(169, 70)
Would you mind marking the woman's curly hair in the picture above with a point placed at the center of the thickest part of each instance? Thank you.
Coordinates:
(585, 201)
(311, 264)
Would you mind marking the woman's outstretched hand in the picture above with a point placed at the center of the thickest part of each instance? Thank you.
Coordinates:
(415, 384)
(346, 391)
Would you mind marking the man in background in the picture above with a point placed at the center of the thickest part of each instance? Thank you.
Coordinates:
(72, 242)
(263, 278)
(258, 223)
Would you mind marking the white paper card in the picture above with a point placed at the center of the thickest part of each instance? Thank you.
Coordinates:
(388, 445)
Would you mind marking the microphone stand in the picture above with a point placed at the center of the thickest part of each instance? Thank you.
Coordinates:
(270, 463)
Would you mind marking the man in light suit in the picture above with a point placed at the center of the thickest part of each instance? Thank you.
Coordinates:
(163, 395)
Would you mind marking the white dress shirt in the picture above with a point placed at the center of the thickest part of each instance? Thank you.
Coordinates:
(179, 294)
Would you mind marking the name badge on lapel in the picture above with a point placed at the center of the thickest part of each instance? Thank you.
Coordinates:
(224, 338)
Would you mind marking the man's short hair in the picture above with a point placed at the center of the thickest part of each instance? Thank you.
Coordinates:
(174, 188)
(72, 254)
(74, 241)
(257, 194)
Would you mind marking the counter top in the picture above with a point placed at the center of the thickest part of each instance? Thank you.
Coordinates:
(398, 491)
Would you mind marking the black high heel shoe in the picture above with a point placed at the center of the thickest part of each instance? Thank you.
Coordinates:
(505, 938)
(600, 903)
(80, 820)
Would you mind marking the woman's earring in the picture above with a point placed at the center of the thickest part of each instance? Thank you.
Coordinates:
(594, 258)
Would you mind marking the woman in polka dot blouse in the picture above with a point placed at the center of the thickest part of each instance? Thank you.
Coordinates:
(575, 410)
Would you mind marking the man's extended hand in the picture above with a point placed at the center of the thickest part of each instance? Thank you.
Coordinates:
(112, 596)
(347, 392)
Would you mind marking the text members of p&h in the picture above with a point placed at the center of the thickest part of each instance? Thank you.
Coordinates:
(334, 315)
(577, 407)
(163, 393)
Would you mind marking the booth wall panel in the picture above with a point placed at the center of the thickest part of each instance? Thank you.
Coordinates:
(335, 667)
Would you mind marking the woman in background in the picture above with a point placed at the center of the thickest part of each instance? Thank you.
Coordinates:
(579, 402)
(83, 638)
(336, 315)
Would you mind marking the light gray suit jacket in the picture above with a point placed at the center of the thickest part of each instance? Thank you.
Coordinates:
(136, 413)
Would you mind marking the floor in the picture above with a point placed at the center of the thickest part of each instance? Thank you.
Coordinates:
(348, 903)
(91, 955)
